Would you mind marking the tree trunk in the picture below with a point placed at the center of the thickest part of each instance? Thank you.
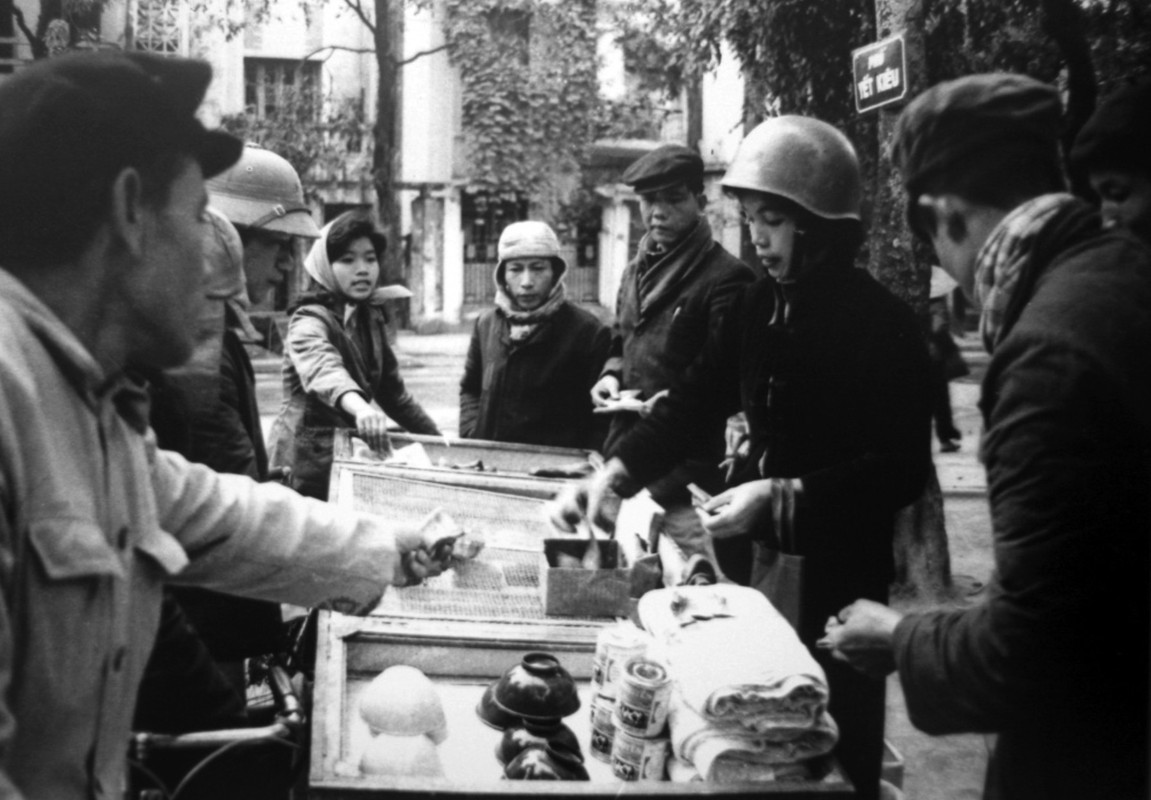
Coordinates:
(923, 562)
(1064, 22)
(386, 173)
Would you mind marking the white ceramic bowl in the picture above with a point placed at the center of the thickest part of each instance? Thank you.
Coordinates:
(401, 701)
(401, 756)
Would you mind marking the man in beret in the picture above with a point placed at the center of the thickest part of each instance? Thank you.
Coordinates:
(676, 289)
(1113, 149)
(102, 214)
(1055, 659)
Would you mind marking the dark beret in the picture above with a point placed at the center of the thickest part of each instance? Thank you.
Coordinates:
(1119, 132)
(956, 119)
(91, 114)
(666, 166)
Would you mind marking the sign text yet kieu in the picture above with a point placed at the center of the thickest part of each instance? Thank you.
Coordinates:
(880, 72)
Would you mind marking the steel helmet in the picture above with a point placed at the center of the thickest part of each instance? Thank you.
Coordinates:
(262, 190)
(803, 159)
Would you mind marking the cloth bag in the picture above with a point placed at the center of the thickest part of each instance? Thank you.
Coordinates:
(778, 572)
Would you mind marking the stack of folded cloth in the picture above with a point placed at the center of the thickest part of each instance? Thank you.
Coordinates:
(748, 701)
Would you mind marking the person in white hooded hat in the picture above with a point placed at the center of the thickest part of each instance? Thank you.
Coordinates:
(339, 370)
(534, 358)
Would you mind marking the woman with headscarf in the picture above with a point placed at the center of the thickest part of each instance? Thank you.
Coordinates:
(339, 370)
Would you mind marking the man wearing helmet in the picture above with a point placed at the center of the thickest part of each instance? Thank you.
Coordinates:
(832, 373)
(675, 290)
(263, 197)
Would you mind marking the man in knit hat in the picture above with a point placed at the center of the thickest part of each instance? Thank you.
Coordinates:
(672, 294)
(534, 357)
(1113, 149)
(1055, 659)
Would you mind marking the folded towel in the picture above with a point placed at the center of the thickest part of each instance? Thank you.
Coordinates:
(731, 750)
(734, 658)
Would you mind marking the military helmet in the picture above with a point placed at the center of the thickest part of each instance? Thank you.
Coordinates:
(803, 159)
(262, 190)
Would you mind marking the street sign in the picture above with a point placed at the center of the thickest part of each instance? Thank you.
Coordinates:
(880, 72)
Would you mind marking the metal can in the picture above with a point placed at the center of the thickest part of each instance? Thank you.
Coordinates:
(613, 647)
(643, 693)
(634, 758)
(602, 727)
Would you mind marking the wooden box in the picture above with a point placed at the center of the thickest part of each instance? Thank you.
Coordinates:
(578, 592)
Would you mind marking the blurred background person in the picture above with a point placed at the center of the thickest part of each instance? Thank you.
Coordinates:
(1113, 149)
(339, 369)
(947, 362)
(534, 358)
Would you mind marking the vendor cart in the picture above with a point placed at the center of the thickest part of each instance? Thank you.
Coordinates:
(463, 629)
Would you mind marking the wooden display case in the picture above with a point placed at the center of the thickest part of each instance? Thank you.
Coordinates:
(463, 629)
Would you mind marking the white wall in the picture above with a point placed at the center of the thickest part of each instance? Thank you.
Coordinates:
(430, 100)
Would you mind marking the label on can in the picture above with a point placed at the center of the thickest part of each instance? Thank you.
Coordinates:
(614, 646)
(602, 727)
(643, 694)
(637, 759)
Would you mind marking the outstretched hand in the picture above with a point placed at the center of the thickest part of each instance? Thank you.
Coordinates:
(863, 635)
(592, 499)
(737, 510)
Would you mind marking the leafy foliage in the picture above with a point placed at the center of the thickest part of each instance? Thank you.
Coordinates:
(316, 145)
(530, 90)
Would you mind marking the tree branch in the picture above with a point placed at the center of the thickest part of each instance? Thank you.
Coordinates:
(422, 53)
(358, 10)
(331, 48)
(39, 50)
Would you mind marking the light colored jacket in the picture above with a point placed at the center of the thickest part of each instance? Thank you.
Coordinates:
(93, 520)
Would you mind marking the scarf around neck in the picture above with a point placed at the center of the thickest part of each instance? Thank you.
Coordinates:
(660, 274)
(1003, 259)
(522, 324)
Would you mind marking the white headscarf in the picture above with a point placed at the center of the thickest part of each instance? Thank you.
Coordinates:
(317, 264)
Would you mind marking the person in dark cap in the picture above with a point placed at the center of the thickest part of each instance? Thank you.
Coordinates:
(102, 217)
(676, 289)
(1112, 148)
(1055, 659)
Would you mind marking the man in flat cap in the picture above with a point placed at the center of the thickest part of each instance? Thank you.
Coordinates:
(675, 290)
(101, 224)
(1055, 660)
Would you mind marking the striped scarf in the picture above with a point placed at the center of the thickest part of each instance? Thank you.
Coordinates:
(1003, 257)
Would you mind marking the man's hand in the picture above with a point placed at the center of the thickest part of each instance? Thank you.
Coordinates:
(605, 389)
(593, 499)
(649, 404)
(416, 567)
(863, 636)
(372, 427)
(737, 510)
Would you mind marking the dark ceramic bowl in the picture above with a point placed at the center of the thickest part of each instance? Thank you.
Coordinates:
(492, 715)
(538, 689)
(545, 764)
(516, 740)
